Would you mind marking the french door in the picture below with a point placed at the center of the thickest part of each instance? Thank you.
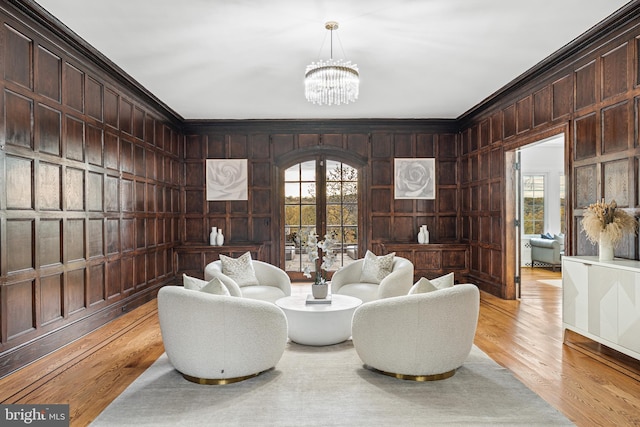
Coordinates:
(320, 197)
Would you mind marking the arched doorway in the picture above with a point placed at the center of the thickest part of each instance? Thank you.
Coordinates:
(321, 194)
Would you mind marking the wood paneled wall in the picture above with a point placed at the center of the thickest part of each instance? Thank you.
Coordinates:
(101, 181)
(591, 95)
(273, 146)
(89, 200)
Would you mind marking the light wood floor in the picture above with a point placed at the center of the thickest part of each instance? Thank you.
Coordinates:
(525, 336)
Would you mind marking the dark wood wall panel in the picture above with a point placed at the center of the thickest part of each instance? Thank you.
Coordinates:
(265, 144)
(104, 182)
(86, 158)
(590, 95)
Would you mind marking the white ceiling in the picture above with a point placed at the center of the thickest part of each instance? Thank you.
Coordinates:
(245, 59)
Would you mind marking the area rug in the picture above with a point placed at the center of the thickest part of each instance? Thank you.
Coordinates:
(328, 386)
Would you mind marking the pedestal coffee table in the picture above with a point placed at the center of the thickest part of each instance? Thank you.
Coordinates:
(319, 324)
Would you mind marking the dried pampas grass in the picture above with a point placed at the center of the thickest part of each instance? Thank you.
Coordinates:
(607, 221)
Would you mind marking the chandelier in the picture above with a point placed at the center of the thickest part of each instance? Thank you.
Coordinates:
(331, 82)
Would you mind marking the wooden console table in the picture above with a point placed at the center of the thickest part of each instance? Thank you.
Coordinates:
(433, 259)
(192, 259)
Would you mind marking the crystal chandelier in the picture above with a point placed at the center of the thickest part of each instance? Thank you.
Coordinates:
(331, 82)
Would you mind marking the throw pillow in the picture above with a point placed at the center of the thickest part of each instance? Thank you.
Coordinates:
(442, 282)
(239, 269)
(375, 268)
(193, 283)
(216, 287)
(422, 286)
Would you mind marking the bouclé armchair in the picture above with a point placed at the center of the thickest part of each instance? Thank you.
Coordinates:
(346, 281)
(273, 282)
(216, 339)
(419, 337)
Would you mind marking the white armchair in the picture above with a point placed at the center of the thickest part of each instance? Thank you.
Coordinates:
(216, 339)
(346, 281)
(273, 282)
(419, 337)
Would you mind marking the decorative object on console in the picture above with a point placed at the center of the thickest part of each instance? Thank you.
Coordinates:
(320, 285)
(415, 178)
(605, 224)
(213, 235)
(423, 235)
(219, 238)
(331, 82)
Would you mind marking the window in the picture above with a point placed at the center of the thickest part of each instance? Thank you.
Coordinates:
(533, 204)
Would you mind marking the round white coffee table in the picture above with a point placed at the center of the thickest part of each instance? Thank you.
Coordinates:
(319, 324)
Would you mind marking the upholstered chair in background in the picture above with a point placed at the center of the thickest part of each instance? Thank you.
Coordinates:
(349, 280)
(269, 284)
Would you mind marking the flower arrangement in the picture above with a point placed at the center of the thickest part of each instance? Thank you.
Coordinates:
(606, 221)
(327, 246)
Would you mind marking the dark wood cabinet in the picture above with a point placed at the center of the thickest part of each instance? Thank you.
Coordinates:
(433, 260)
(192, 259)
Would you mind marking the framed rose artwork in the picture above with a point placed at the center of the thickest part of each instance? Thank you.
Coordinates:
(415, 178)
(227, 179)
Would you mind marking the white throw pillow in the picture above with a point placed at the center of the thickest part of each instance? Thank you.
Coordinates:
(422, 286)
(425, 285)
(193, 283)
(239, 269)
(375, 268)
(442, 282)
(216, 287)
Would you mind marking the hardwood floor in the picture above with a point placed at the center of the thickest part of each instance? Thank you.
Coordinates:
(585, 382)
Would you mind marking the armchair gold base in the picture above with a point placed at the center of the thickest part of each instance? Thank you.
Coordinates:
(419, 378)
(219, 381)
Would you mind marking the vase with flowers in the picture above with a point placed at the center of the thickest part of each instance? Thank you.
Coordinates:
(316, 249)
(605, 225)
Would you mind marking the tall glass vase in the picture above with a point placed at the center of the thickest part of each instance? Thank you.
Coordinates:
(605, 248)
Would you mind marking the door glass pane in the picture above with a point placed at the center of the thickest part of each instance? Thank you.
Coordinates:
(342, 210)
(300, 213)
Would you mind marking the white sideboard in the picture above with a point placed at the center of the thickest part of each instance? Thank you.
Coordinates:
(601, 301)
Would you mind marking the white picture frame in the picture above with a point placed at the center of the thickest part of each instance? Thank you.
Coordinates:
(415, 178)
(227, 179)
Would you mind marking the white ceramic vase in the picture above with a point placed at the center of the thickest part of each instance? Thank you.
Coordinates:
(220, 238)
(423, 235)
(605, 249)
(213, 236)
